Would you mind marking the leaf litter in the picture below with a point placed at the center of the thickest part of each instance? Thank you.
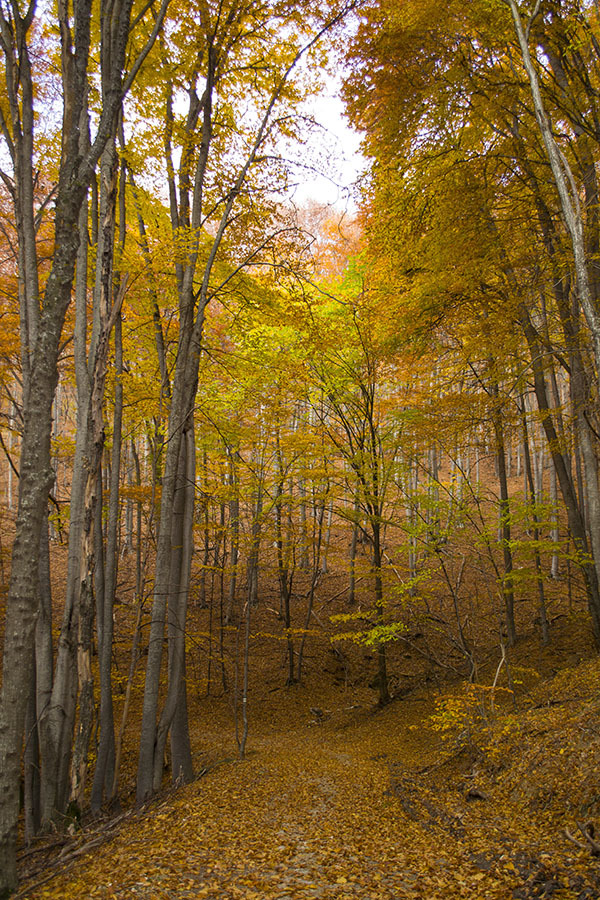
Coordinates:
(364, 803)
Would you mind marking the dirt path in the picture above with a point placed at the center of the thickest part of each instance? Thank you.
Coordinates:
(309, 814)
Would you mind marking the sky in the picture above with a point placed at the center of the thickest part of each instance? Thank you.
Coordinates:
(346, 163)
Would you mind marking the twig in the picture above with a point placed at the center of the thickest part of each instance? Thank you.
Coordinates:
(497, 675)
(343, 591)
(587, 830)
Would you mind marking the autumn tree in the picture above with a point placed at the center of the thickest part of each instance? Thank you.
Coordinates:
(225, 167)
(44, 317)
(478, 127)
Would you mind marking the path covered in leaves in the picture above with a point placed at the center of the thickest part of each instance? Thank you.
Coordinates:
(309, 814)
(338, 810)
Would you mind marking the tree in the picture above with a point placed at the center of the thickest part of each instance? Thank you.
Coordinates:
(45, 320)
(217, 187)
(478, 128)
(357, 383)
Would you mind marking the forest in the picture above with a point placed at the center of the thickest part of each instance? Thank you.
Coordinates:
(299, 496)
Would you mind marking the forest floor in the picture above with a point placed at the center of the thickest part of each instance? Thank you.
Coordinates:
(339, 799)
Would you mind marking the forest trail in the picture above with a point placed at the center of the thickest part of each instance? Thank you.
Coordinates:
(326, 807)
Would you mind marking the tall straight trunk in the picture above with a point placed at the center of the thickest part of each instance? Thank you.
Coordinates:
(412, 509)
(554, 531)
(252, 565)
(56, 429)
(104, 771)
(60, 718)
(41, 689)
(85, 620)
(589, 462)
(106, 309)
(180, 568)
(382, 677)
(137, 632)
(182, 403)
(75, 173)
(246, 677)
(566, 189)
(234, 527)
(536, 530)
(129, 522)
(563, 473)
(44, 655)
(507, 581)
(251, 597)
(433, 490)
(70, 659)
(219, 561)
(186, 211)
(285, 577)
(182, 769)
(150, 758)
(538, 469)
(206, 534)
(317, 540)
(577, 459)
(10, 473)
(304, 556)
(56, 724)
(353, 549)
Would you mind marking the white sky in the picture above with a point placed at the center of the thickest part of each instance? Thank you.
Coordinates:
(335, 186)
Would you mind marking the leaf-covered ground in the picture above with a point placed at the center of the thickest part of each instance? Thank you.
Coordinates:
(358, 802)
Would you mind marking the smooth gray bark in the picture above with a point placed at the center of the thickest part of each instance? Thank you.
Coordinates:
(565, 186)
(104, 771)
(75, 173)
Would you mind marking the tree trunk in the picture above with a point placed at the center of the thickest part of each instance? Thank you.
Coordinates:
(569, 495)
(382, 677)
(181, 558)
(75, 173)
(536, 531)
(234, 527)
(353, 548)
(104, 771)
(507, 581)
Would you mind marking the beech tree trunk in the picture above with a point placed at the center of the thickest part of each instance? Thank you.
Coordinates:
(234, 528)
(174, 712)
(533, 499)
(104, 770)
(563, 473)
(507, 581)
(565, 186)
(75, 172)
